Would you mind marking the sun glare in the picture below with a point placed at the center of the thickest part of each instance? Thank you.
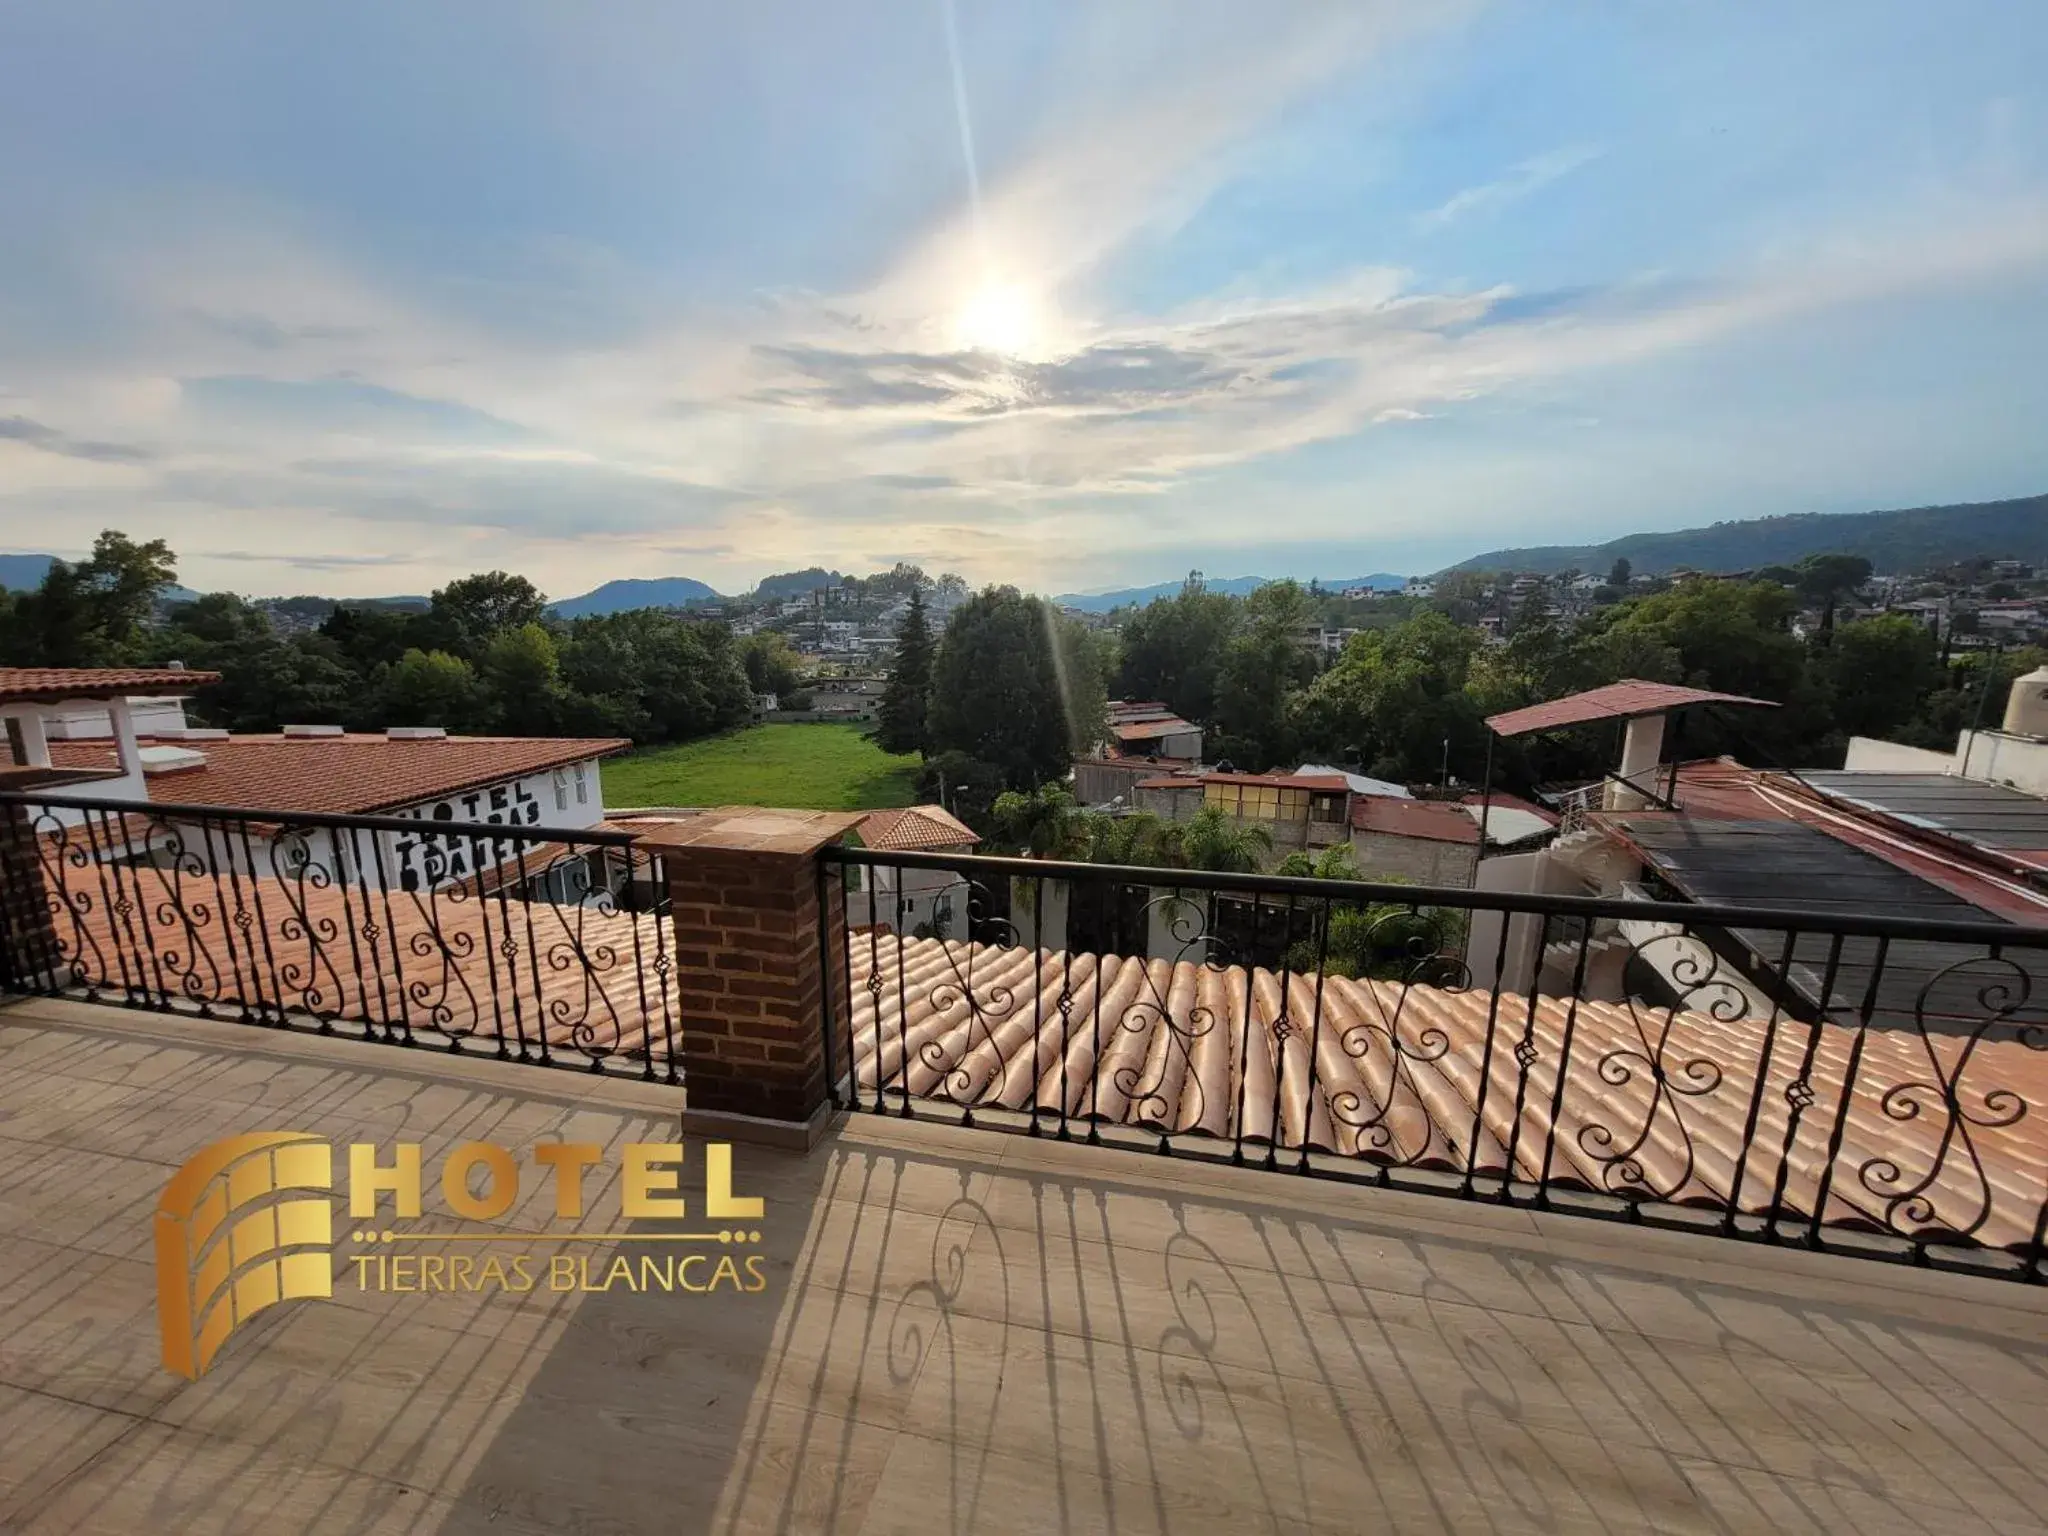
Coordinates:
(1000, 317)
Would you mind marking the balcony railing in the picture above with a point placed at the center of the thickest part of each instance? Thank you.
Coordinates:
(525, 943)
(1871, 1086)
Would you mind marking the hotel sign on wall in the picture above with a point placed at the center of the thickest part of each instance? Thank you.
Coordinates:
(429, 860)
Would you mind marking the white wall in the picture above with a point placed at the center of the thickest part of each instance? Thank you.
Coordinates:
(1869, 755)
(929, 896)
(2020, 761)
(404, 861)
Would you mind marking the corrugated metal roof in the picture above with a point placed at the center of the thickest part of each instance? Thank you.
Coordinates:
(1326, 783)
(1360, 783)
(1433, 821)
(1617, 701)
(1152, 730)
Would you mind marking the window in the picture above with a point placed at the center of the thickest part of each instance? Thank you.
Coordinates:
(1326, 808)
(17, 744)
(561, 790)
(582, 784)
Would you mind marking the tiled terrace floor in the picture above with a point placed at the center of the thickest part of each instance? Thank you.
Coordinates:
(964, 1333)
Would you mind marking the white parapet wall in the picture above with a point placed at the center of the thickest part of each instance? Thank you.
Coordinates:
(1869, 755)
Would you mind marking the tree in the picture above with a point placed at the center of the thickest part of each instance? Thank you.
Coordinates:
(771, 665)
(522, 675)
(964, 785)
(1619, 572)
(1128, 839)
(1876, 673)
(1826, 579)
(1263, 662)
(1040, 823)
(901, 727)
(1212, 840)
(433, 688)
(266, 684)
(92, 613)
(1173, 650)
(1395, 697)
(465, 614)
(996, 694)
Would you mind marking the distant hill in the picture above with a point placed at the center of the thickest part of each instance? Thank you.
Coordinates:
(797, 583)
(1918, 539)
(626, 595)
(23, 573)
(1230, 586)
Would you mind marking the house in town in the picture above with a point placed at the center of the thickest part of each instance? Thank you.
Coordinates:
(926, 902)
(1438, 842)
(1898, 831)
(1152, 730)
(166, 791)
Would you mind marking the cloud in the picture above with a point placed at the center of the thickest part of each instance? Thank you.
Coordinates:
(19, 429)
(316, 562)
(1523, 180)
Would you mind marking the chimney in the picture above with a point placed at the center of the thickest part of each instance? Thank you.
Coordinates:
(312, 730)
(415, 733)
(175, 666)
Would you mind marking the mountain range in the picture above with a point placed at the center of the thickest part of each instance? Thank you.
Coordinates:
(24, 573)
(1232, 586)
(1912, 539)
(1915, 539)
(634, 592)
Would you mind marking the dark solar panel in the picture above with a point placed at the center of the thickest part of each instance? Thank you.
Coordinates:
(1969, 810)
(1785, 864)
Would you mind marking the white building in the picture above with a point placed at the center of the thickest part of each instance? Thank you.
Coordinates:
(234, 800)
(933, 902)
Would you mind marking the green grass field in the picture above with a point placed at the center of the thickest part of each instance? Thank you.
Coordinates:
(804, 767)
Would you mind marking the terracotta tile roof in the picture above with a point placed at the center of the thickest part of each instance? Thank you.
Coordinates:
(1395, 1076)
(917, 827)
(346, 775)
(1617, 701)
(1434, 821)
(1172, 781)
(394, 957)
(54, 685)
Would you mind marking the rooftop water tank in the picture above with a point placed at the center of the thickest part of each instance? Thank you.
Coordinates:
(2026, 707)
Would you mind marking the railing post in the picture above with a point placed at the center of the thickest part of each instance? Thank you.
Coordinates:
(28, 929)
(751, 974)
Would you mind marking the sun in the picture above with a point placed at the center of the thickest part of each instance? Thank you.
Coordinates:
(999, 317)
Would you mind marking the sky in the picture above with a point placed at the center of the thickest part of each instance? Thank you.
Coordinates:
(354, 299)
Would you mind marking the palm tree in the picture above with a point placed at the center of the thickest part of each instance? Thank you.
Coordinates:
(1042, 823)
(1131, 839)
(1211, 840)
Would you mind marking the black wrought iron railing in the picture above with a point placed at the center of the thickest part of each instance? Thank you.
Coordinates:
(1867, 1085)
(526, 943)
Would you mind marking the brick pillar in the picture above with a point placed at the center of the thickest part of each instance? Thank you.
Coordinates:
(28, 932)
(751, 982)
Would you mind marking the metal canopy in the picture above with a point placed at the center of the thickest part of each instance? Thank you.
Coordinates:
(1624, 700)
